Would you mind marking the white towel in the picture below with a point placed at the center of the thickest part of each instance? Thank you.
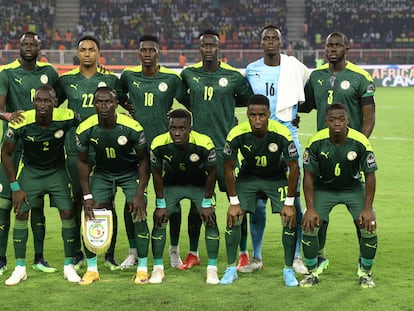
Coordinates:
(291, 85)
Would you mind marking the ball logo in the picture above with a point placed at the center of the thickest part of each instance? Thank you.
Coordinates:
(273, 147)
(101, 84)
(345, 85)
(44, 79)
(223, 82)
(163, 87)
(96, 231)
(122, 140)
(351, 155)
(59, 134)
(194, 157)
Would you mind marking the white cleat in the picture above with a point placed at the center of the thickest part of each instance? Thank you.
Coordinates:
(175, 259)
(130, 261)
(157, 275)
(299, 267)
(19, 274)
(70, 274)
(212, 277)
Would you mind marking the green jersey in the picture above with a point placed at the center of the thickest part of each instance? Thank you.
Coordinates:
(43, 148)
(19, 85)
(264, 157)
(114, 148)
(213, 99)
(183, 166)
(338, 168)
(79, 90)
(152, 97)
(346, 87)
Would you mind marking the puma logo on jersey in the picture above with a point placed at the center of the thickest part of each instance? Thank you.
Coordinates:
(159, 238)
(2, 227)
(74, 86)
(249, 147)
(141, 236)
(136, 84)
(196, 79)
(20, 81)
(320, 82)
(168, 157)
(95, 140)
(32, 138)
(325, 154)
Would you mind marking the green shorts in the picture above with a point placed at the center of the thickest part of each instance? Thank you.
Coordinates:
(104, 185)
(53, 181)
(325, 201)
(247, 190)
(174, 194)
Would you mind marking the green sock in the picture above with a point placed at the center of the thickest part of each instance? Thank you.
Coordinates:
(194, 227)
(20, 235)
(111, 249)
(158, 241)
(289, 244)
(68, 236)
(310, 247)
(4, 229)
(368, 249)
(37, 222)
(129, 226)
(232, 235)
(142, 238)
(212, 237)
(243, 236)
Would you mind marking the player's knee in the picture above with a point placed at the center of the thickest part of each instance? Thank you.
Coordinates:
(313, 232)
(367, 235)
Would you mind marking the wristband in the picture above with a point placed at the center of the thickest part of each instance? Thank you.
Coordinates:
(87, 197)
(15, 186)
(290, 201)
(234, 200)
(7, 116)
(206, 203)
(160, 203)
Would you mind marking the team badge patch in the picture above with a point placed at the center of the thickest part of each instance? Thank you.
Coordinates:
(152, 157)
(194, 157)
(122, 140)
(163, 87)
(306, 157)
(101, 84)
(273, 147)
(97, 233)
(223, 82)
(10, 134)
(345, 85)
(293, 152)
(59, 134)
(44, 79)
(351, 156)
(371, 88)
(227, 149)
(212, 157)
(371, 160)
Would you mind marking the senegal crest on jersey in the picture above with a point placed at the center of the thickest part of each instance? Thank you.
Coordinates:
(122, 140)
(59, 134)
(44, 79)
(273, 147)
(351, 156)
(163, 87)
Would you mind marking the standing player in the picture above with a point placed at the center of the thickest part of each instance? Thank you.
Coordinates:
(333, 161)
(77, 87)
(183, 166)
(282, 79)
(340, 81)
(152, 89)
(215, 89)
(268, 151)
(121, 160)
(18, 83)
(43, 171)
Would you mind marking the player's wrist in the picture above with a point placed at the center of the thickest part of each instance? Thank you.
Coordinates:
(7, 116)
(87, 197)
(15, 186)
(234, 200)
(160, 203)
(290, 201)
(206, 203)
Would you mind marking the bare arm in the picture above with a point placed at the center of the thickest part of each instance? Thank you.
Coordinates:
(138, 206)
(84, 171)
(234, 213)
(207, 213)
(368, 113)
(160, 214)
(288, 212)
(310, 218)
(14, 117)
(367, 216)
